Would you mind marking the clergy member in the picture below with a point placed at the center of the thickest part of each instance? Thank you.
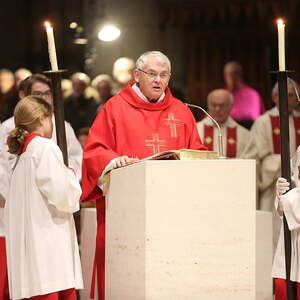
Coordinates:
(142, 120)
(235, 137)
(247, 103)
(266, 133)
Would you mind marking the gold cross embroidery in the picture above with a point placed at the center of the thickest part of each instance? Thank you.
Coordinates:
(208, 140)
(173, 123)
(277, 131)
(231, 141)
(155, 143)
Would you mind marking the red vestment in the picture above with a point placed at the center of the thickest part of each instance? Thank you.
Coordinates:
(280, 289)
(127, 125)
(4, 295)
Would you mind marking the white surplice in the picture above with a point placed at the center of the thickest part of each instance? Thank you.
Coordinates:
(243, 135)
(290, 205)
(8, 160)
(269, 162)
(42, 249)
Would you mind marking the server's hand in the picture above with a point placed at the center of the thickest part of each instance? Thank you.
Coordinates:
(282, 185)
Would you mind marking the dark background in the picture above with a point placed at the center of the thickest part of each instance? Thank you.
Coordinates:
(199, 36)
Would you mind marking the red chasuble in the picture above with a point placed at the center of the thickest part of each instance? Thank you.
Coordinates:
(127, 125)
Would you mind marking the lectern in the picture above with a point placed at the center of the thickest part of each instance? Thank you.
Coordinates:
(181, 230)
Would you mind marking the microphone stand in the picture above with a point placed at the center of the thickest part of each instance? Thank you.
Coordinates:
(220, 137)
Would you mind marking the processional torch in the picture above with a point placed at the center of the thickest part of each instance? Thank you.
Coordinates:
(282, 76)
(58, 105)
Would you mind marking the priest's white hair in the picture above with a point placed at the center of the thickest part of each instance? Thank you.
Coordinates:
(162, 58)
(289, 81)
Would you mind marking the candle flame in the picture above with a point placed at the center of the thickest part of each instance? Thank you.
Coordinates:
(47, 24)
(280, 22)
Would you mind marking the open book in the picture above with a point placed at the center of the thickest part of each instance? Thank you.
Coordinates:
(183, 154)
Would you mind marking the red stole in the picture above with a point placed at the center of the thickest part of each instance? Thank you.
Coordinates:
(231, 141)
(275, 123)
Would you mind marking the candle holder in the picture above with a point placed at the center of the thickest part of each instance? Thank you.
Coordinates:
(282, 77)
(58, 105)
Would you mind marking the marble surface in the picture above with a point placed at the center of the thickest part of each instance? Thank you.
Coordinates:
(264, 255)
(181, 230)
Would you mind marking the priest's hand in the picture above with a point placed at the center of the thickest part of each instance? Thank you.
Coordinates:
(282, 185)
(124, 161)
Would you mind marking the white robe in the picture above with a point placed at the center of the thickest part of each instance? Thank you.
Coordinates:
(42, 250)
(290, 204)
(268, 161)
(243, 135)
(8, 160)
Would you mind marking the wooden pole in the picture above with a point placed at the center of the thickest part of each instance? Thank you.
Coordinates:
(285, 172)
(58, 105)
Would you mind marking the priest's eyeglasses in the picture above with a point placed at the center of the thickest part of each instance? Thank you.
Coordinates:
(153, 75)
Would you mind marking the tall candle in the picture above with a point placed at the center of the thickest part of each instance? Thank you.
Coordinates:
(51, 47)
(281, 44)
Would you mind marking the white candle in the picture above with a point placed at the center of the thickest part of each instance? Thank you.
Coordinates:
(51, 47)
(281, 47)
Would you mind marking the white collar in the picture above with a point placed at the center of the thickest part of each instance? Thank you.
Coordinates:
(138, 91)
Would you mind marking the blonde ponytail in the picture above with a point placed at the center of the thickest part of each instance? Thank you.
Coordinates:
(15, 140)
(26, 115)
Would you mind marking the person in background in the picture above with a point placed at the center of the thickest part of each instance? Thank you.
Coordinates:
(8, 94)
(235, 137)
(80, 110)
(266, 134)
(21, 74)
(82, 136)
(103, 84)
(247, 103)
(123, 71)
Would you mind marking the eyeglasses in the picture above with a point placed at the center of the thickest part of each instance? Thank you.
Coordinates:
(216, 105)
(153, 75)
(42, 94)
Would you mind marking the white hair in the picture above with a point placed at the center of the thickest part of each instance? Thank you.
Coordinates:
(101, 77)
(289, 81)
(162, 58)
(81, 76)
(218, 91)
(23, 72)
(123, 63)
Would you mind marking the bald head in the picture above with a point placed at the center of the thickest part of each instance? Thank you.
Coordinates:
(233, 73)
(219, 103)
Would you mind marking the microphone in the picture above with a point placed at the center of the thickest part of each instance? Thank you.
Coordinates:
(220, 137)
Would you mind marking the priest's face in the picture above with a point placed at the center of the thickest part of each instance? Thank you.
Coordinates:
(219, 105)
(153, 79)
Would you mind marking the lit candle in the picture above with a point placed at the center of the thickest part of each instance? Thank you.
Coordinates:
(51, 46)
(281, 47)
